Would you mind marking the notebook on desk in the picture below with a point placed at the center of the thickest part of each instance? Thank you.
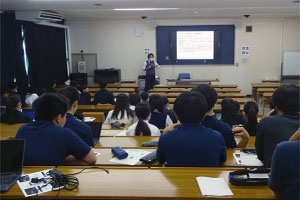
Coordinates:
(12, 156)
(96, 129)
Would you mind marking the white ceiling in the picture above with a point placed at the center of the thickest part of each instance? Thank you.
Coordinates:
(86, 10)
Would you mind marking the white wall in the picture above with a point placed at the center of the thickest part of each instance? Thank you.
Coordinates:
(118, 47)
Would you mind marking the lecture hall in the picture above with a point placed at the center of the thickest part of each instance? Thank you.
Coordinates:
(135, 99)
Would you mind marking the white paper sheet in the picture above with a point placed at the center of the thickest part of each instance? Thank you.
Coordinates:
(32, 189)
(134, 156)
(213, 187)
(247, 159)
(89, 119)
(122, 133)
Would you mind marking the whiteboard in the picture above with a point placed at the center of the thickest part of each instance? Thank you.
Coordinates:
(291, 64)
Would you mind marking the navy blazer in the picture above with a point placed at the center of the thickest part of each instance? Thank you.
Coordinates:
(191, 145)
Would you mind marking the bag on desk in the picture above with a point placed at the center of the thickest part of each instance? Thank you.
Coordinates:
(250, 176)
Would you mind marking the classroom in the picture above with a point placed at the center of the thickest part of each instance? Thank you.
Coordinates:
(134, 99)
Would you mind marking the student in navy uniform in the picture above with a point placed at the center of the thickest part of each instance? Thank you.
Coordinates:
(169, 112)
(158, 118)
(14, 89)
(103, 96)
(85, 97)
(278, 128)
(250, 112)
(191, 144)
(284, 178)
(80, 128)
(212, 122)
(12, 115)
(47, 142)
(4, 96)
(230, 113)
(133, 101)
(144, 96)
(149, 66)
(51, 86)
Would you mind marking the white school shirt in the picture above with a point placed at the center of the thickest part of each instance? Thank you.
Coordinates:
(145, 65)
(154, 130)
(124, 120)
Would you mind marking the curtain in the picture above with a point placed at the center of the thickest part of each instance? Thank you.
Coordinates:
(12, 54)
(46, 52)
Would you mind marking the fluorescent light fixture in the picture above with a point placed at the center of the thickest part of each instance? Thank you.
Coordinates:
(143, 9)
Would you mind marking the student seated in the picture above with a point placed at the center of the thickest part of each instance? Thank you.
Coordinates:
(122, 113)
(144, 96)
(85, 97)
(250, 113)
(278, 128)
(212, 122)
(169, 112)
(284, 178)
(4, 96)
(191, 144)
(133, 101)
(142, 126)
(12, 114)
(14, 89)
(230, 113)
(103, 96)
(80, 128)
(272, 110)
(47, 142)
(158, 118)
(51, 86)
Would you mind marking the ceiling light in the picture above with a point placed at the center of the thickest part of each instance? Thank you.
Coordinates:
(143, 9)
(97, 4)
(296, 1)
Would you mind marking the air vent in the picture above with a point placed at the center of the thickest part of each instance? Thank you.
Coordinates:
(50, 16)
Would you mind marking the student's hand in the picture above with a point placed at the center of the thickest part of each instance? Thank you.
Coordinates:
(270, 112)
(243, 133)
(171, 127)
(295, 136)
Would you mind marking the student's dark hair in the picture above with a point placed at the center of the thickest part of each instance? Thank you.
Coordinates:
(103, 83)
(156, 102)
(237, 105)
(150, 54)
(50, 105)
(209, 93)
(228, 111)
(272, 106)
(74, 83)
(122, 105)
(70, 93)
(4, 91)
(144, 96)
(51, 82)
(41, 91)
(13, 85)
(286, 98)
(134, 99)
(190, 107)
(165, 100)
(142, 111)
(11, 104)
(251, 110)
(82, 87)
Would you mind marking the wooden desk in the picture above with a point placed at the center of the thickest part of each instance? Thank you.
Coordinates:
(95, 108)
(9, 131)
(119, 90)
(142, 183)
(251, 142)
(106, 155)
(194, 85)
(261, 91)
(174, 90)
(193, 80)
(115, 85)
(125, 141)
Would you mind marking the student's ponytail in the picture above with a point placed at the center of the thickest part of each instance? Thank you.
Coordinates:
(251, 110)
(142, 129)
(142, 111)
(11, 105)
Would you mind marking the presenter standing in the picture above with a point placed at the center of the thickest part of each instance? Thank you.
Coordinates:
(149, 67)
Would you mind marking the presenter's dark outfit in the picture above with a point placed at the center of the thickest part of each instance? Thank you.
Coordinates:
(150, 74)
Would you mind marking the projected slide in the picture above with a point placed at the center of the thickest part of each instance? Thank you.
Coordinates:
(195, 45)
